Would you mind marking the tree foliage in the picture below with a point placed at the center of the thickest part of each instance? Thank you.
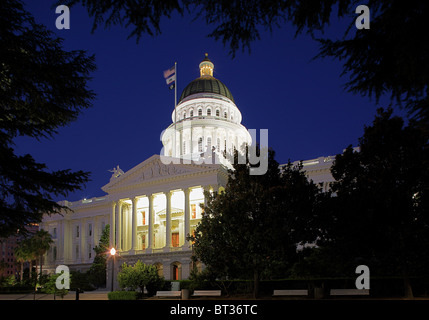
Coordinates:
(42, 88)
(379, 214)
(252, 229)
(97, 272)
(140, 275)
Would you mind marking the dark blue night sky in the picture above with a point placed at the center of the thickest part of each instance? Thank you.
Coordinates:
(276, 86)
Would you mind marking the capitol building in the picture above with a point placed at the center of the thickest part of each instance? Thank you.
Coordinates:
(152, 207)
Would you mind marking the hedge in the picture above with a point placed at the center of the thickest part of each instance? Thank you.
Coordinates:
(122, 295)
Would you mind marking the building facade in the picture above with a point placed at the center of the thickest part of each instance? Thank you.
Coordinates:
(153, 207)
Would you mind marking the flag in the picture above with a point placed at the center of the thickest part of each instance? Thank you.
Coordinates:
(170, 77)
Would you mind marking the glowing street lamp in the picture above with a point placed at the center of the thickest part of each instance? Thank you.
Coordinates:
(112, 254)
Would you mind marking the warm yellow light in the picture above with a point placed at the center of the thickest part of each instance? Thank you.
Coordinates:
(112, 251)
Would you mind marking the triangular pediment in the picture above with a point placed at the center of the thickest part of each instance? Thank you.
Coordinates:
(157, 168)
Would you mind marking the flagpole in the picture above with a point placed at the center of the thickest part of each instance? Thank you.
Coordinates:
(175, 111)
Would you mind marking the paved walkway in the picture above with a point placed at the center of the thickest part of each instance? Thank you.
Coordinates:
(90, 295)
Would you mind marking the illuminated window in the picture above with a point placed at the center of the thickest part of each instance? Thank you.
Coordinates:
(193, 211)
(175, 272)
(144, 218)
(175, 239)
(143, 242)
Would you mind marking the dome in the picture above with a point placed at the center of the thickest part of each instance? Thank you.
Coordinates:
(206, 83)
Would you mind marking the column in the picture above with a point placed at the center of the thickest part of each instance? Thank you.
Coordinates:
(83, 256)
(112, 225)
(150, 223)
(187, 192)
(119, 225)
(134, 225)
(168, 221)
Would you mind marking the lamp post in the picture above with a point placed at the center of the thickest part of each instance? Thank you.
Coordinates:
(112, 254)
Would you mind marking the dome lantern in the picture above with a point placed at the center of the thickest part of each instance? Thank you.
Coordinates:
(206, 67)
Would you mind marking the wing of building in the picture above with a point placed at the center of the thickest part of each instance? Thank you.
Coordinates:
(153, 206)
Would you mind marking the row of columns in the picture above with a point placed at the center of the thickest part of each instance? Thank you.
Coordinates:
(116, 222)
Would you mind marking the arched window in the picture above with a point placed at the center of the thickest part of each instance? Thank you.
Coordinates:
(200, 112)
(209, 112)
(200, 144)
(176, 270)
(225, 115)
(191, 113)
(217, 113)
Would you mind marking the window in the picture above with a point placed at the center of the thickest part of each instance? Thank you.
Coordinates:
(175, 272)
(193, 211)
(225, 115)
(54, 233)
(200, 144)
(77, 251)
(191, 113)
(89, 251)
(209, 144)
(217, 113)
(209, 112)
(54, 253)
(175, 239)
(184, 115)
(77, 231)
(143, 242)
(90, 229)
(200, 112)
(144, 218)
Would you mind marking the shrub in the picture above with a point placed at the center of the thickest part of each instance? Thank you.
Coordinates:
(122, 295)
(140, 275)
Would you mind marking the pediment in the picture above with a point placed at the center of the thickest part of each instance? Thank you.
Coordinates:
(156, 168)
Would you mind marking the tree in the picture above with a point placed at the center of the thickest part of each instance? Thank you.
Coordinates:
(380, 211)
(97, 272)
(42, 88)
(140, 275)
(23, 253)
(389, 59)
(254, 226)
(39, 244)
